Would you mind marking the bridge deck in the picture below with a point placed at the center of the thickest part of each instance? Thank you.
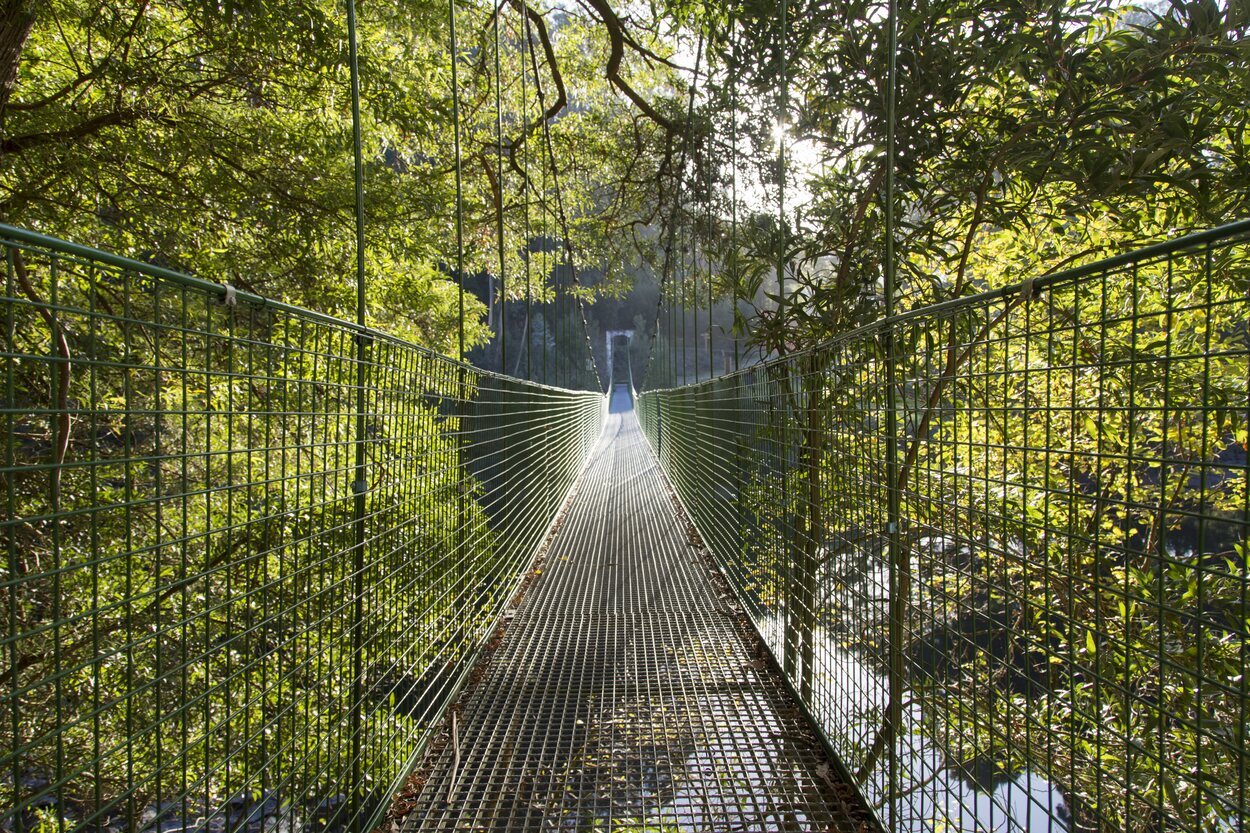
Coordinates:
(625, 695)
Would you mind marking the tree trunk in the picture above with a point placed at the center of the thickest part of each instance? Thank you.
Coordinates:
(16, 19)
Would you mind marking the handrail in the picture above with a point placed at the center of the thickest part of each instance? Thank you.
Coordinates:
(1030, 287)
(225, 290)
(1073, 517)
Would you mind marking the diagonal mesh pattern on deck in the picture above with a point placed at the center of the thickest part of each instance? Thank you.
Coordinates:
(625, 695)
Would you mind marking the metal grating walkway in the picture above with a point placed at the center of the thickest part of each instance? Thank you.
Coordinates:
(625, 695)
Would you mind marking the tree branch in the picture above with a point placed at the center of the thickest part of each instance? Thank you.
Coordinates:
(617, 40)
(561, 100)
(60, 396)
(82, 130)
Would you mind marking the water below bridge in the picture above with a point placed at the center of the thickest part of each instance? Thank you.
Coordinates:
(627, 692)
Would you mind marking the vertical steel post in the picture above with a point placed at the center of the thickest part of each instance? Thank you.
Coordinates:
(812, 434)
(899, 587)
(359, 485)
(733, 184)
(786, 389)
(461, 378)
(16, 573)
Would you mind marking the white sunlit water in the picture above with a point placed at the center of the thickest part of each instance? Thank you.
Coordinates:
(850, 698)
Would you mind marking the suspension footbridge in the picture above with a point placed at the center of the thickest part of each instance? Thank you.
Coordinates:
(266, 568)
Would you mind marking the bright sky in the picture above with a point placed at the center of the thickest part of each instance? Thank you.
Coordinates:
(802, 156)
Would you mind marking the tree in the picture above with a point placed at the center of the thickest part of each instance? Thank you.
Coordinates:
(1030, 138)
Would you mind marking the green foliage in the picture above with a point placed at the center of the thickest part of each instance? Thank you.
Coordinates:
(217, 140)
(1113, 536)
(1030, 137)
(187, 620)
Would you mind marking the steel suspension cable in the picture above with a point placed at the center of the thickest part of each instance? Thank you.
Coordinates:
(562, 220)
(455, 117)
(685, 246)
(461, 502)
(694, 280)
(548, 271)
(548, 162)
(546, 268)
(525, 201)
(499, 200)
(709, 224)
(792, 641)
(667, 266)
(783, 110)
(711, 346)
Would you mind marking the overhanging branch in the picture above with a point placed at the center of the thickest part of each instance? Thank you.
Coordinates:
(617, 40)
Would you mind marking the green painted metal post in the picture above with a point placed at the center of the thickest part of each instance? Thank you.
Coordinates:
(813, 437)
(898, 568)
(359, 484)
(462, 409)
(790, 550)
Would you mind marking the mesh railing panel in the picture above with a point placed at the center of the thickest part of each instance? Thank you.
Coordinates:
(193, 638)
(1069, 587)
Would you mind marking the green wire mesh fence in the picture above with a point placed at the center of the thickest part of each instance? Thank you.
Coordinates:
(1066, 575)
(206, 628)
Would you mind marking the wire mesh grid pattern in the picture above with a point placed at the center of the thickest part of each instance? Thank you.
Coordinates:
(624, 695)
(1049, 633)
(234, 598)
